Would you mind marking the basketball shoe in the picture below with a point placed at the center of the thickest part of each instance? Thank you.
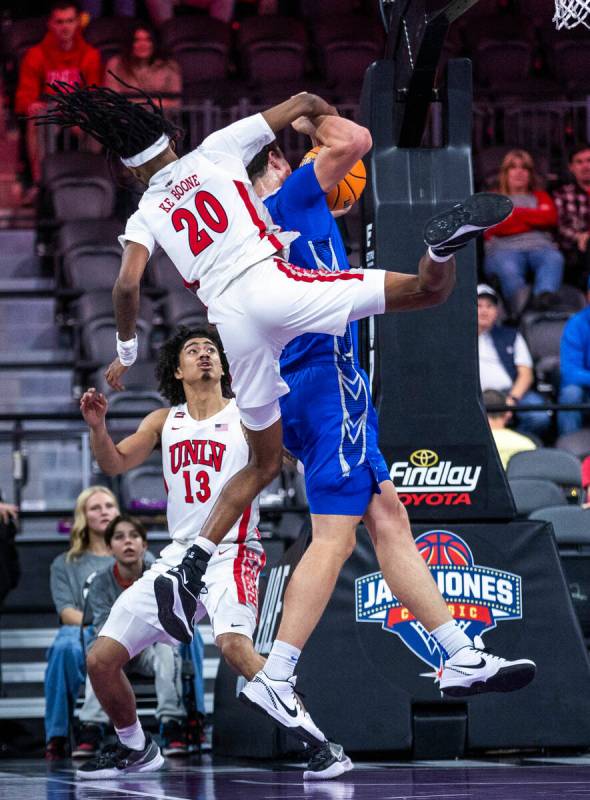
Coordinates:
(451, 230)
(177, 594)
(326, 762)
(278, 699)
(472, 670)
(118, 760)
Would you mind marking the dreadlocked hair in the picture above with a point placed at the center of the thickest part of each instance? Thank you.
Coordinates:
(169, 385)
(125, 128)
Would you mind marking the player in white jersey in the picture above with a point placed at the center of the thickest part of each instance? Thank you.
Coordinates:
(202, 210)
(203, 445)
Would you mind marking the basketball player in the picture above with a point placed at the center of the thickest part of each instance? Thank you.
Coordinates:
(201, 209)
(203, 445)
(330, 425)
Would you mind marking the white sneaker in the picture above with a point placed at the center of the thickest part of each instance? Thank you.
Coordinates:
(278, 700)
(326, 762)
(472, 670)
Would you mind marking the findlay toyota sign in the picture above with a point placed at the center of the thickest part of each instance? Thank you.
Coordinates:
(445, 477)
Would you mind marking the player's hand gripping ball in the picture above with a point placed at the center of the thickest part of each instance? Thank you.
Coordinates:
(345, 194)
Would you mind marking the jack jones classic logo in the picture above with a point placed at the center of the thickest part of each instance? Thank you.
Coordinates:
(425, 478)
(478, 597)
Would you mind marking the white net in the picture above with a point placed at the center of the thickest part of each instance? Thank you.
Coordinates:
(569, 13)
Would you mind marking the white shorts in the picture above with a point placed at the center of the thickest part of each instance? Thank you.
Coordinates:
(231, 599)
(274, 302)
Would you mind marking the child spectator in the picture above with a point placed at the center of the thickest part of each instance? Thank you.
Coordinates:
(126, 539)
(88, 553)
(508, 441)
(524, 242)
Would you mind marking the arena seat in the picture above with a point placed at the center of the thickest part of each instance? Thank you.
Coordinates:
(543, 331)
(161, 272)
(140, 395)
(273, 51)
(532, 493)
(108, 34)
(201, 45)
(78, 185)
(502, 65)
(89, 254)
(23, 33)
(184, 308)
(548, 463)
(577, 443)
(346, 45)
(142, 489)
(571, 63)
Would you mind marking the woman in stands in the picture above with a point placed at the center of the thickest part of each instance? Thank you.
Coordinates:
(524, 242)
(70, 574)
(141, 63)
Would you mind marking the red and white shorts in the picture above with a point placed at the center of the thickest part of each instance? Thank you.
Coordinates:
(231, 599)
(272, 303)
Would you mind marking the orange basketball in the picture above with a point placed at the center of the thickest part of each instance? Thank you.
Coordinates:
(350, 188)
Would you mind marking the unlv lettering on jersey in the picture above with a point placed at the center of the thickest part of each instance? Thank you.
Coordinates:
(196, 451)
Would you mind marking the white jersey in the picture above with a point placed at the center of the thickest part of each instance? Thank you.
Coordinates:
(198, 459)
(204, 213)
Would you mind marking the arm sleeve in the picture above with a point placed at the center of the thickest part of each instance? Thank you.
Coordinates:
(29, 83)
(61, 589)
(136, 230)
(522, 355)
(242, 139)
(100, 600)
(544, 216)
(572, 361)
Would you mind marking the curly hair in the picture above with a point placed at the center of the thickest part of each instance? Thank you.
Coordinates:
(169, 385)
(125, 128)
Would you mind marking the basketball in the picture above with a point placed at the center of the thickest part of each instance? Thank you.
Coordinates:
(439, 548)
(350, 188)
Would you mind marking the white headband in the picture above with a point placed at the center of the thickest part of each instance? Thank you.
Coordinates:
(150, 152)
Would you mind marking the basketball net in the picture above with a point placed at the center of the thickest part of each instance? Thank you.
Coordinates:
(569, 13)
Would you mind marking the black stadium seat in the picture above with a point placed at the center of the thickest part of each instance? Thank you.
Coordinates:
(184, 308)
(90, 255)
(79, 186)
(533, 493)
(551, 464)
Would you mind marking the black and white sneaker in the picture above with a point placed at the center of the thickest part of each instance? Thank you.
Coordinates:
(451, 230)
(326, 762)
(177, 594)
(278, 700)
(472, 670)
(117, 760)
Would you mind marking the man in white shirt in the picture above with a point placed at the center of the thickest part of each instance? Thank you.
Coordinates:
(505, 363)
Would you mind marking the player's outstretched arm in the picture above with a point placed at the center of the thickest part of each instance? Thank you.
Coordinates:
(300, 105)
(113, 459)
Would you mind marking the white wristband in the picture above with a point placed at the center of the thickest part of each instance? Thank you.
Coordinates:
(439, 259)
(127, 351)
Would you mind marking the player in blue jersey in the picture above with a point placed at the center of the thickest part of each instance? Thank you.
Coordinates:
(330, 424)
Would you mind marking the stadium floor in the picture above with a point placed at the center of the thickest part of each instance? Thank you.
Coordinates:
(506, 779)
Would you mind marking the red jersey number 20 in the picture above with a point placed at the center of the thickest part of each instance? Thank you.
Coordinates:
(210, 214)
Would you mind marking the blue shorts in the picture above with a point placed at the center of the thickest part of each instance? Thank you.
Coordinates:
(343, 466)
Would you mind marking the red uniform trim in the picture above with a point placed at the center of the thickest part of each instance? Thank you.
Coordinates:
(238, 577)
(313, 275)
(262, 232)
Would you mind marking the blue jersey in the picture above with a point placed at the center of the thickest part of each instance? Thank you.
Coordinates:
(300, 205)
(329, 422)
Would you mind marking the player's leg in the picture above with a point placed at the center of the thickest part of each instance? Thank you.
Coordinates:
(467, 669)
(239, 654)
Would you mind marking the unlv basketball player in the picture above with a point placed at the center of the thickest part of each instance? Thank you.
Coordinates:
(203, 445)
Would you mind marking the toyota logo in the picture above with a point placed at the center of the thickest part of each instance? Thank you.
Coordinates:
(424, 458)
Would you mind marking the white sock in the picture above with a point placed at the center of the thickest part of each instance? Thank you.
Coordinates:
(132, 736)
(440, 259)
(205, 544)
(450, 638)
(282, 660)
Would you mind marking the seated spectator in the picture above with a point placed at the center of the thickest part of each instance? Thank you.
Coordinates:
(524, 242)
(573, 218)
(142, 64)
(88, 553)
(505, 363)
(508, 442)
(9, 563)
(62, 55)
(126, 539)
(574, 366)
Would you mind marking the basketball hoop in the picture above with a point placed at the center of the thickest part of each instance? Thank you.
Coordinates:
(569, 13)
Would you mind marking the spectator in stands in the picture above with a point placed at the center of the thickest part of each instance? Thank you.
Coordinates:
(88, 553)
(9, 564)
(142, 64)
(573, 225)
(505, 363)
(8, 512)
(524, 242)
(574, 365)
(127, 541)
(62, 55)
(162, 10)
(508, 442)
